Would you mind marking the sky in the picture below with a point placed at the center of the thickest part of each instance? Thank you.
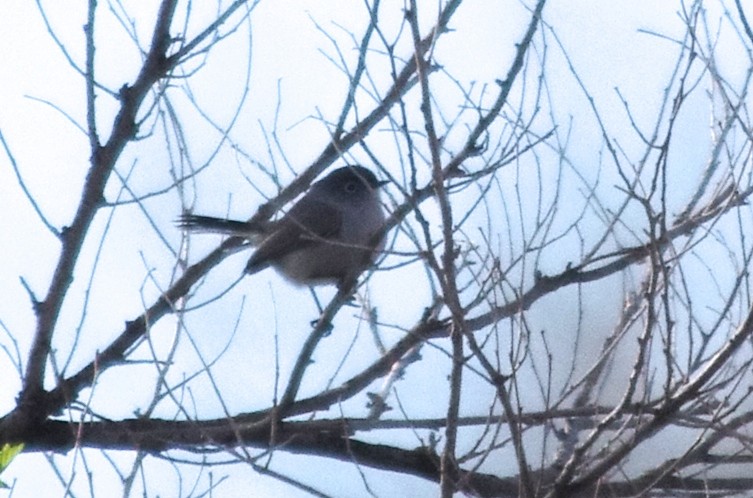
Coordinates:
(279, 67)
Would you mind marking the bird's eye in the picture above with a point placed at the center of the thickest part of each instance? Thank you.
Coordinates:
(351, 187)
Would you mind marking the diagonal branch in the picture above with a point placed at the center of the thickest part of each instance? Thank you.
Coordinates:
(156, 66)
(666, 410)
(544, 285)
(103, 159)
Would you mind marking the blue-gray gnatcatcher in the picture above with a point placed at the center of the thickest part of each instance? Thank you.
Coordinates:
(326, 237)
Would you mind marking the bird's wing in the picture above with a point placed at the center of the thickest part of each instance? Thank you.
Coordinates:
(304, 225)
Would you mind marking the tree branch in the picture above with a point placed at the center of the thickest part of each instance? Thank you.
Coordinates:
(30, 408)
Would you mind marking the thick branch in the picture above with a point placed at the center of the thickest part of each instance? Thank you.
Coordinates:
(329, 439)
(324, 438)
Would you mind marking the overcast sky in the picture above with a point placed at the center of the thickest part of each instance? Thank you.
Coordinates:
(613, 45)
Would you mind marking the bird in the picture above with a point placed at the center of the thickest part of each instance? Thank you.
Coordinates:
(328, 236)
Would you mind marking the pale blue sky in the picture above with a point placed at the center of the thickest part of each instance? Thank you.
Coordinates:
(289, 61)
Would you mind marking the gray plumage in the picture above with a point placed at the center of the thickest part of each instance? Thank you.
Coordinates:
(326, 237)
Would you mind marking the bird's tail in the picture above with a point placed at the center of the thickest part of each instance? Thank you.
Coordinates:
(197, 223)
